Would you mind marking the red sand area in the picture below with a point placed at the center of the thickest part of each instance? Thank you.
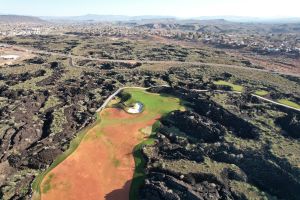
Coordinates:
(103, 165)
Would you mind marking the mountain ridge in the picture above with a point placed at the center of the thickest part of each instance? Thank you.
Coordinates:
(20, 19)
(12, 18)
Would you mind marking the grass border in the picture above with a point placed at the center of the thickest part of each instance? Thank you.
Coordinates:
(289, 103)
(261, 92)
(140, 163)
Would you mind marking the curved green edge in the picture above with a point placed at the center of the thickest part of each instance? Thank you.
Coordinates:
(140, 163)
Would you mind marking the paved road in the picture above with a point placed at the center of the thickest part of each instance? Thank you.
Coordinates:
(254, 95)
(274, 102)
(71, 57)
(110, 98)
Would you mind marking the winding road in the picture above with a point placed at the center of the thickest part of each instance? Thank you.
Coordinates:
(71, 57)
(71, 63)
(254, 95)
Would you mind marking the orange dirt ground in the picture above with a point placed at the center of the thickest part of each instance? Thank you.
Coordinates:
(102, 166)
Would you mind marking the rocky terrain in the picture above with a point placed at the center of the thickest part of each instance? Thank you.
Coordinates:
(194, 157)
(226, 145)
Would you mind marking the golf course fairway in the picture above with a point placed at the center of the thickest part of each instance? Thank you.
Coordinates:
(107, 163)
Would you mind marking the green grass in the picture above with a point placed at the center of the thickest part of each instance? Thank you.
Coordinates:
(140, 163)
(139, 173)
(289, 103)
(47, 185)
(261, 92)
(155, 103)
(234, 87)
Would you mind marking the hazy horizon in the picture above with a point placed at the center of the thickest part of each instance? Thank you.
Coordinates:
(176, 8)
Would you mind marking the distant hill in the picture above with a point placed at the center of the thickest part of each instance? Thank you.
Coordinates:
(252, 19)
(105, 18)
(155, 18)
(19, 19)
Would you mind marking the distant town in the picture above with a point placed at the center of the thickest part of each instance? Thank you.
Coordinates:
(284, 41)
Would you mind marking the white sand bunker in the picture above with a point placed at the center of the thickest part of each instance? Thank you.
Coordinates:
(136, 108)
(9, 57)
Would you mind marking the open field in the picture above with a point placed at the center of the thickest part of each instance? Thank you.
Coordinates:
(108, 171)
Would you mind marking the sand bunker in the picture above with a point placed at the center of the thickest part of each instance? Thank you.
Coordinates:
(136, 108)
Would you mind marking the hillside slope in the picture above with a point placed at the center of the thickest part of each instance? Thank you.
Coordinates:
(19, 19)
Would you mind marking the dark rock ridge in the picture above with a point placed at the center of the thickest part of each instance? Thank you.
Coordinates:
(290, 124)
(165, 187)
(198, 135)
(196, 126)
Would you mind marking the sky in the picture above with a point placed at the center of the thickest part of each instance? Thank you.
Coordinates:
(178, 8)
